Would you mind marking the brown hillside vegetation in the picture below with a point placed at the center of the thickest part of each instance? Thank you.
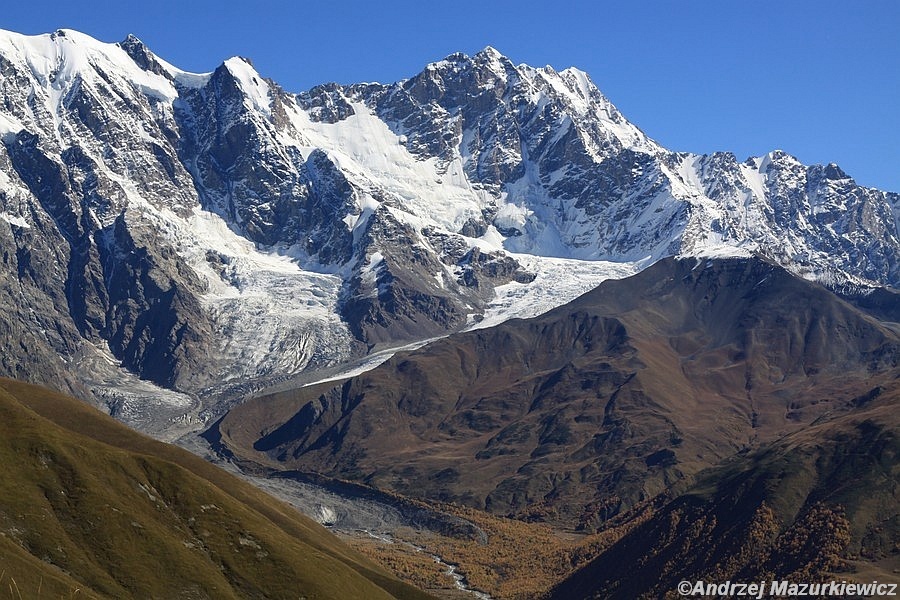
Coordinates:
(575, 416)
(90, 509)
(819, 504)
(519, 560)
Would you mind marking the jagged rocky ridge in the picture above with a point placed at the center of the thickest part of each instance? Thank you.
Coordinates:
(200, 229)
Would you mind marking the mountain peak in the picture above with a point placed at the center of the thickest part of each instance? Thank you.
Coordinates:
(779, 154)
(833, 171)
(241, 66)
(142, 56)
(240, 59)
(67, 33)
(76, 38)
(492, 56)
(251, 82)
(490, 52)
(486, 56)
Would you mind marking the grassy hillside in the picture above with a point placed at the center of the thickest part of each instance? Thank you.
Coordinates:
(823, 503)
(90, 509)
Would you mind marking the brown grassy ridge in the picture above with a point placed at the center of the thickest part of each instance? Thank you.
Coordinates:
(817, 505)
(90, 509)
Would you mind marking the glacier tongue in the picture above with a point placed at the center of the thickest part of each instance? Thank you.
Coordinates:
(271, 317)
(558, 281)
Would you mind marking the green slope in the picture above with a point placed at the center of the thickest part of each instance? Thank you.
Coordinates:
(90, 509)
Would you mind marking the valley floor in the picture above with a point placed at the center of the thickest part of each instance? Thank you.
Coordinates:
(488, 557)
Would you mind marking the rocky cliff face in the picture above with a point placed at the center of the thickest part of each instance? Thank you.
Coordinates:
(201, 229)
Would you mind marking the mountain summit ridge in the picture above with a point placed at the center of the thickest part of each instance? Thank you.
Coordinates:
(206, 229)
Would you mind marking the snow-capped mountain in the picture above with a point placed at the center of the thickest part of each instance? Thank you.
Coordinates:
(202, 229)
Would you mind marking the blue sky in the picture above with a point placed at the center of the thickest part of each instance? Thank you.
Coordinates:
(818, 79)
